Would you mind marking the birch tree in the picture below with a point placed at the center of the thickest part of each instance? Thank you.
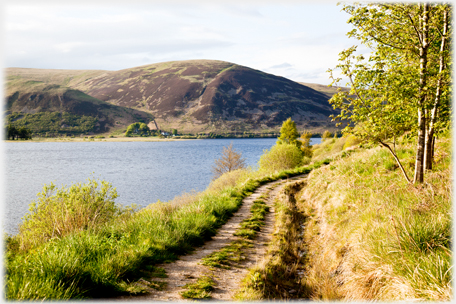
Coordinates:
(395, 88)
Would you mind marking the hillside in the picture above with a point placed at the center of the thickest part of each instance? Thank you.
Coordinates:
(192, 96)
(28, 101)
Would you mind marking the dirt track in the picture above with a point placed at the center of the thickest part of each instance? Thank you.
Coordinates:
(188, 268)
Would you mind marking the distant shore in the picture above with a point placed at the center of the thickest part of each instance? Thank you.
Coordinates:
(107, 139)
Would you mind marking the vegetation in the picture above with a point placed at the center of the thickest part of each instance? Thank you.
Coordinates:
(60, 212)
(371, 235)
(138, 129)
(404, 85)
(52, 123)
(306, 148)
(326, 135)
(200, 290)
(229, 161)
(105, 255)
(356, 230)
(277, 276)
(289, 134)
(14, 133)
(280, 157)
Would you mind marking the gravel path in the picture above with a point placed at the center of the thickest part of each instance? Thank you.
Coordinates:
(188, 268)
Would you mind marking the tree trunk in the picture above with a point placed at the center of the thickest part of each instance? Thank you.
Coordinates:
(429, 155)
(419, 161)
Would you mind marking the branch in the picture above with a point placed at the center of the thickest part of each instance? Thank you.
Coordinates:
(397, 160)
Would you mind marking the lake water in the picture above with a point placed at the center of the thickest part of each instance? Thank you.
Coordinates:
(142, 172)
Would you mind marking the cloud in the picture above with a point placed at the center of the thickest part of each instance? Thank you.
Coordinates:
(281, 66)
(293, 40)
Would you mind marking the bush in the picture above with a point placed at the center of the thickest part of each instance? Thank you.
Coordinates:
(60, 212)
(351, 141)
(326, 135)
(280, 157)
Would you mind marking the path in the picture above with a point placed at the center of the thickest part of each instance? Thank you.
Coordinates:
(188, 268)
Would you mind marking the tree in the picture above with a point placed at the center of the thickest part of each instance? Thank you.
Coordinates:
(326, 135)
(24, 133)
(174, 132)
(18, 133)
(138, 128)
(289, 133)
(391, 91)
(229, 161)
(306, 148)
(11, 132)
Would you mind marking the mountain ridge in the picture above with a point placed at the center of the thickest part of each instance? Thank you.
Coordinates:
(191, 96)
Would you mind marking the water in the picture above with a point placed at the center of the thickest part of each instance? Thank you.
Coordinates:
(142, 172)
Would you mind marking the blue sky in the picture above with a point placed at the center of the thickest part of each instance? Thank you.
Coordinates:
(298, 40)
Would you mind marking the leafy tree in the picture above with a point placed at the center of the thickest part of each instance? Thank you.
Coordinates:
(306, 148)
(18, 133)
(229, 161)
(137, 128)
(24, 133)
(289, 133)
(174, 132)
(326, 135)
(400, 85)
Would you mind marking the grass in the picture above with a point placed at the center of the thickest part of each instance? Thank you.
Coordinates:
(200, 290)
(225, 257)
(372, 236)
(250, 226)
(109, 258)
(233, 252)
(276, 277)
(359, 232)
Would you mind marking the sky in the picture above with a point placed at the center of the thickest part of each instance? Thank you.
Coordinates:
(299, 40)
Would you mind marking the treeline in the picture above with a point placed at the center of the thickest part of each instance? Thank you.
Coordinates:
(13, 133)
(49, 124)
(141, 129)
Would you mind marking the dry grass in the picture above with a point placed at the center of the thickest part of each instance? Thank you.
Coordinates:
(371, 236)
(278, 275)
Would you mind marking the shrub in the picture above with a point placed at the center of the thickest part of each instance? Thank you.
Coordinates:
(351, 141)
(229, 179)
(59, 212)
(326, 135)
(280, 157)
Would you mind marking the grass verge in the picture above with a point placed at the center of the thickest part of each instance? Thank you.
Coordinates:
(372, 236)
(109, 259)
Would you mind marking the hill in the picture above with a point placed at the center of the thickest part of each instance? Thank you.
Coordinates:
(191, 96)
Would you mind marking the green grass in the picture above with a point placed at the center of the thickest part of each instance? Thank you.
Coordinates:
(233, 252)
(250, 226)
(103, 260)
(228, 254)
(202, 289)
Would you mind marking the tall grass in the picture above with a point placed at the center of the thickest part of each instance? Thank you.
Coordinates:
(372, 236)
(103, 259)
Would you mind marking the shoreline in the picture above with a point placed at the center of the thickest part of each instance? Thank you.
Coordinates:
(107, 139)
(118, 139)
